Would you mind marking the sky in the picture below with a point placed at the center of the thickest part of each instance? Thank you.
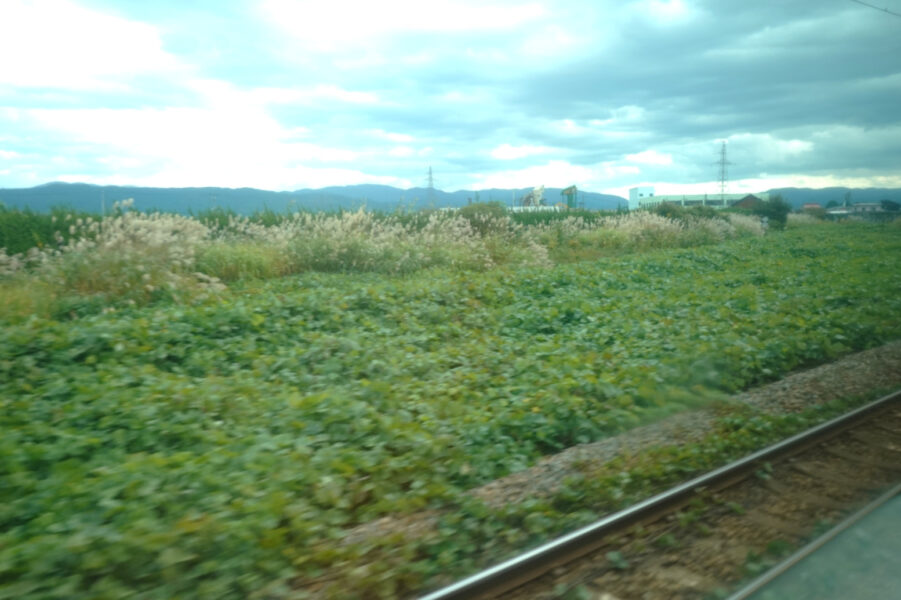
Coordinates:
(605, 95)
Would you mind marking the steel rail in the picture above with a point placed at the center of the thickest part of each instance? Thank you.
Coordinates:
(757, 584)
(526, 567)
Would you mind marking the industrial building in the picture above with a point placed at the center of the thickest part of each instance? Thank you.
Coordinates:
(639, 194)
(644, 197)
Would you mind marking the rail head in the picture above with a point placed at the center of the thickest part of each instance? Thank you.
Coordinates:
(518, 570)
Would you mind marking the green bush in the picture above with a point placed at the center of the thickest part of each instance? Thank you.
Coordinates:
(540, 218)
(23, 229)
(677, 212)
(776, 210)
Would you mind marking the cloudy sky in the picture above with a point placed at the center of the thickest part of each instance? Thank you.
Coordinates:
(604, 94)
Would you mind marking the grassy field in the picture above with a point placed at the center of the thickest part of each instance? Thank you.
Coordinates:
(213, 430)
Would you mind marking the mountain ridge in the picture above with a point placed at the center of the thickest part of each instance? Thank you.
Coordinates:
(94, 198)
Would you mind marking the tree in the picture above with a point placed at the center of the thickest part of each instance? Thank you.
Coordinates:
(775, 210)
(890, 206)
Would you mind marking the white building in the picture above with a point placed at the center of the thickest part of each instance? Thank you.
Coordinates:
(637, 194)
(644, 197)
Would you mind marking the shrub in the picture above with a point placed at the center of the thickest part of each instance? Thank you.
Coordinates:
(776, 210)
(485, 217)
(686, 213)
(21, 230)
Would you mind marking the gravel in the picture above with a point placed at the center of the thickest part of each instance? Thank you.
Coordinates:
(864, 374)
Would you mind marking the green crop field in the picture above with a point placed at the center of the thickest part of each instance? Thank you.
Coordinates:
(177, 437)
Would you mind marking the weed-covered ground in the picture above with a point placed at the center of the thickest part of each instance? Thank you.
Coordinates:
(222, 447)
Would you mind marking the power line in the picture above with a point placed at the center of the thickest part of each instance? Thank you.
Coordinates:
(877, 8)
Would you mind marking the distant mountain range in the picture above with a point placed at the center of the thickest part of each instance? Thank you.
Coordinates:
(800, 196)
(93, 198)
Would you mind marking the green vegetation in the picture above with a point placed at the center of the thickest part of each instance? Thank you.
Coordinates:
(776, 210)
(21, 230)
(164, 435)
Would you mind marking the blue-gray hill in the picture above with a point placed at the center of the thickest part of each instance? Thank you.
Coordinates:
(90, 198)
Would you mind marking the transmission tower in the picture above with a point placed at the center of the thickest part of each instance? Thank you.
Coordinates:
(431, 185)
(724, 172)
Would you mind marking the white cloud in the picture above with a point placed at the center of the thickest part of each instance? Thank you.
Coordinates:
(651, 157)
(401, 151)
(318, 94)
(400, 138)
(220, 135)
(59, 44)
(770, 146)
(230, 139)
(122, 163)
(554, 173)
(814, 181)
(666, 12)
(508, 152)
(9, 154)
(339, 24)
(762, 184)
(623, 122)
(556, 41)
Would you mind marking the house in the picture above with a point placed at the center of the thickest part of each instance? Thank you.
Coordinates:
(750, 201)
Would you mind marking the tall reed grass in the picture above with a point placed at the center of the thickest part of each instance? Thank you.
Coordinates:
(576, 238)
(362, 241)
(137, 258)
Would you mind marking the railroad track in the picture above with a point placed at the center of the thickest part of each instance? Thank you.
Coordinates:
(691, 540)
